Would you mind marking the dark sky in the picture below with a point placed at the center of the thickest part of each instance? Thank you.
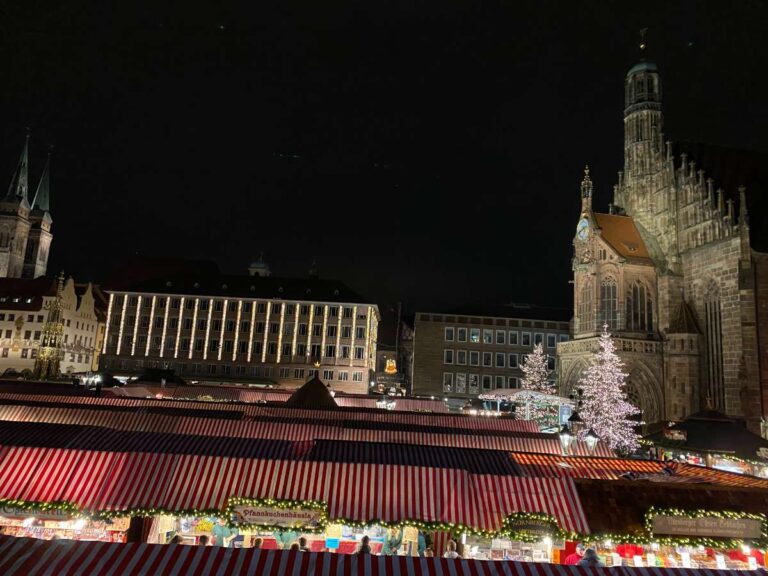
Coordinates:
(423, 151)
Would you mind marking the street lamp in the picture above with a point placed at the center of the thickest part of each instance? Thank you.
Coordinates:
(566, 438)
(591, 440)
(575, 423)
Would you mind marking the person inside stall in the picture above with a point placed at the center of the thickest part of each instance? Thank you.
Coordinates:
(175, 540)
(224, 535)
(258, 542)
(295, 547)
(285, 538)
(203, 540)
(393, 542)
(303, 545)
(450, 550)
(422, 544)
(590, 559)
(574, 558)
(365, 545)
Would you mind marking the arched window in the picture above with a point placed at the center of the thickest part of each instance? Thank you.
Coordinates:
(609, 303)
(713, 320)
(4, 237)
(586, 308)
(639, 308)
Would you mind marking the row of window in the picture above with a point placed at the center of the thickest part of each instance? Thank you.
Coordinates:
(32, 353)
(228, 346)
(245, 326)
(501, 337)
(462, 383)
(638, 307)
(30, 317)
(30, 335)
(472, 358)
(261, 307)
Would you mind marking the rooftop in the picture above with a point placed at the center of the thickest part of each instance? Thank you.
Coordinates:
(623, 236)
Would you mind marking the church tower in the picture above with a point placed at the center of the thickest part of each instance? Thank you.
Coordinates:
(39, 241)
(14, 219)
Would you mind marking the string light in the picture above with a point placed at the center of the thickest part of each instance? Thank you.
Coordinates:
(280, 333)
(106, 326)
(194, 327)
(165, 325)
(266, 333)
(208, 329)
(295, 329)
(136, 326)
(352, 345)
(237, 328)
(151, 322)
(178, 328)
(122, 324)
(250, 332)
(325, 327)
(223, 328)
(338, 332)
(309, 331)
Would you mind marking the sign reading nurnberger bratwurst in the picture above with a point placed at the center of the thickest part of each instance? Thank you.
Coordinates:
(707, 526)
(277, 517)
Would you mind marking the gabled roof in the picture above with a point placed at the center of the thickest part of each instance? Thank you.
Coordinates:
(314, 395)
(622, 235)
(684, 321)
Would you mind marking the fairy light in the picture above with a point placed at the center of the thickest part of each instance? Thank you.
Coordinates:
(250, 332)
(309, 331)
(352, 344)
(194, 327)
(338, 332)
(165, 325)
(266, 333)
(280, 333)
(237, 328)
(122, 324)
(367, 333)
(325, 327)
(136, 326)
(151, 323)
(106, 326)
(178, 329)
(208, 329)
(295, 329)
(223, 327)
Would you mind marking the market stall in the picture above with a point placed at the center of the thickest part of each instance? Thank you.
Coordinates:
(53, 524)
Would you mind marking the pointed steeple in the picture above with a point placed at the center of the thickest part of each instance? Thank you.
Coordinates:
(20, 182)
(586, 191)
(42, 199)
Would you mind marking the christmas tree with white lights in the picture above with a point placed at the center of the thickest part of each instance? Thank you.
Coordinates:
(536, 372)
(604, 406)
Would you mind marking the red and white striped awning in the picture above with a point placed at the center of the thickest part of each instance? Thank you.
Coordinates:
(29, 557)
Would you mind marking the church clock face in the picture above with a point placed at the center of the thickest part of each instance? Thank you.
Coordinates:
(582, 229)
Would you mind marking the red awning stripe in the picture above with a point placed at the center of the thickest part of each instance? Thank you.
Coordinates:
(31, 557)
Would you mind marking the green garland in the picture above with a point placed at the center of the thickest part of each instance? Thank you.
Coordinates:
(58, 506)
(553, 528)
(229, 511)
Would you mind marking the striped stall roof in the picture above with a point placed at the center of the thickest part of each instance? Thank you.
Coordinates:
(32, 557)
(545, 465)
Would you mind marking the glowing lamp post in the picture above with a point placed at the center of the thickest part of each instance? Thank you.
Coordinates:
(591, 440)
(566, 439)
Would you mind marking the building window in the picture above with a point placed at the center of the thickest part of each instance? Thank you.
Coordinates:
(343, 376)
(447, 356)
(499, 381)
(247, 307)
(551, 340)
(301, 349)
(315, 351)
(487, 336)
(242, 346)
(302, 329)
(27, 334)
(218, 305)
(298, 373)
(284, 373)
(5, 352)
(304, 310)
(640, 309)
(36, 335)
(346, 331)
(584, 308)
(359, 353)
(331, 330)
(333, 311)
(563, 337)
(330, 351)
(474, 386)
(512, 359)
(608, 303)
(260, 327)
(357, 377)
(204, 307)
(461, 357)
(714, 343)
(211, 368)
(258, 347)
(24, 352)
(317, 329)
(272, 348)
(461, 383)
(274, 327)
(512, 382)
(261, 308)
(538, 339)
(487, 359)
(526, 338)
(345, 351)
(550, 362)
(487, 381)
(360, 332)
(449, 334)
(474, 358)
(228, 346)
(347, 312)
(461, 333)
(500, 359)
(216, 325)
(501, 337)
(447, 381)
(230, 325)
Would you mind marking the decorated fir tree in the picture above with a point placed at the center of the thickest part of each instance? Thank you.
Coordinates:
(604, 407)
(536, 372)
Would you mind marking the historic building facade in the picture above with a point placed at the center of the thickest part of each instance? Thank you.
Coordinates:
(463, 355)
(671, 271)
(253, 330)
(50, 314)
(25, 223)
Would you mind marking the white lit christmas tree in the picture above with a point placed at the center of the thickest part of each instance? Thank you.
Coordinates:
(604, 407)
(536, 372)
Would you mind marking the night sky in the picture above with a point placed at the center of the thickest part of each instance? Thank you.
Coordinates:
(429, 152)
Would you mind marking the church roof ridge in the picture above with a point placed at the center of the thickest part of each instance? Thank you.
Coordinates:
(621, 233)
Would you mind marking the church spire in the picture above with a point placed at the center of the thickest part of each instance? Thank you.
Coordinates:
(586, 191)
(20, 181)
(42, 199)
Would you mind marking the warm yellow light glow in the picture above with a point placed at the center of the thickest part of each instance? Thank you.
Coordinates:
(151, 323)
(338, 332)
(208, 329)
(352, 344)
(106, 326)
(250, 333)
(165, 325)
(136, 326)
(367, 333)
(325, 328)
(223, 327)
(266, 333)
(178, 329)
(122, 324)
(237, 328)
(194, 327)
(295, 329)
(309, 331)
(280, 333)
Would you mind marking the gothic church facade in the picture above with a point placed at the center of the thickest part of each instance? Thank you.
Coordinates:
(671, 271)
(25, 223)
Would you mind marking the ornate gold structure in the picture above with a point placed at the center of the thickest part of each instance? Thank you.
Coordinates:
(49, 353)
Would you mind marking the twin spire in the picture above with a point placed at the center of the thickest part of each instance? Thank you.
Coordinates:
(19, 186)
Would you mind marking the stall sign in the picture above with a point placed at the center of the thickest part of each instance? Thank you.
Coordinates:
(530, 526)
(12, 512)
(676, 435)
(277, 517)
(707, 526)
